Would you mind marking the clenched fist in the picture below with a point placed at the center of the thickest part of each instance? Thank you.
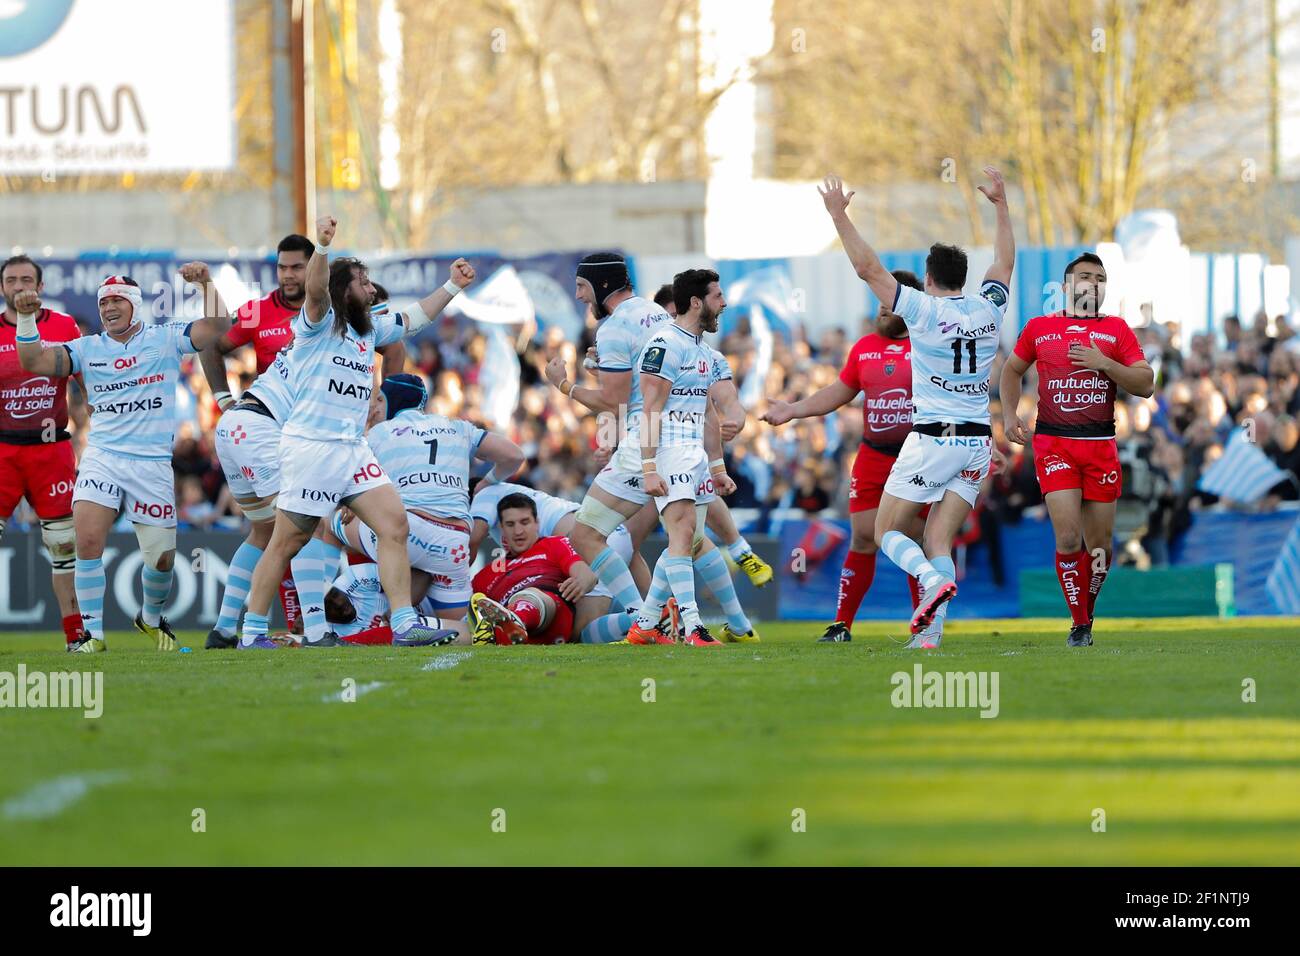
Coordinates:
(325, 227)
(462, 273)
(27, 302)
(196, 272)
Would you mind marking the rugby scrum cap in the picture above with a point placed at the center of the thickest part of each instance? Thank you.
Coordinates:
(606, 271)
(124, 287)
(403, 391)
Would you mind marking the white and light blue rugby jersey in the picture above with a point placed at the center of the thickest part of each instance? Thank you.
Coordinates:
(721, 367)
(549, 508)
(131, 386)
(333, 376)
(620, 338)
(954, 341)
(274, 387)
(360, 582)
(428, 458)
(689, 365)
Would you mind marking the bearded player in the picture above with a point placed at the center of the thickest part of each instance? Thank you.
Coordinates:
(1082, 356)
(324, 459)
(534, 593)
(131, 371)
(949, 450)
(880, 367)
(36, 457)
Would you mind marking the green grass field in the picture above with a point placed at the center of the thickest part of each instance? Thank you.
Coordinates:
(1148, 725)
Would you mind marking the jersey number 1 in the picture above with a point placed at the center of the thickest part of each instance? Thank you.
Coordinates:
(433, 450)
(956, 355)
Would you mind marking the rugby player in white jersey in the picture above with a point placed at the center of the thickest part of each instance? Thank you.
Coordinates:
(428, 457)
(949, 451)
(720, 520)
(626, 321)
(130, 369)
(678, 376)
(324, 459)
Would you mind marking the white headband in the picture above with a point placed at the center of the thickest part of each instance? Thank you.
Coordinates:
(129, 292)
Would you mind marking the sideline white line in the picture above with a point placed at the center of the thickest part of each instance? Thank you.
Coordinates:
(447, 661)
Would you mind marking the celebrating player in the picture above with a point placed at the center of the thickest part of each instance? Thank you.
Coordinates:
(880, 366)
(130, 370)
(1082, 356)
(949, 450)
(248, 434)
(429, 457)
(36, 457)
(324, 458)
(626, 321)
(676, 372)
(534, 593)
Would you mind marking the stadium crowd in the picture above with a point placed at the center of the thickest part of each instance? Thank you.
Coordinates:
(1204, 388)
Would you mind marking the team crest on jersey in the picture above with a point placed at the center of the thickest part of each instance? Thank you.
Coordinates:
(996, 294)
(889, 368)
(653, 360)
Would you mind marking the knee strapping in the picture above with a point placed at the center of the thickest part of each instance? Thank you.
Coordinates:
(155, 542)
(597, 515)
(60, 540)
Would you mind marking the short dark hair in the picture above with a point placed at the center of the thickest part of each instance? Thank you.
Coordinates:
(516, 500)
(1089, 257)
(664, 295)
(23, 260)
(946, 265)
(691, 284)
(908, 278)
(296, 243)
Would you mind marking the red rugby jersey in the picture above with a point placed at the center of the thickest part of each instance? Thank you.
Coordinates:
(881, 368)
(545, 565)
(1076, 402)
(266, 323)
(27, 400)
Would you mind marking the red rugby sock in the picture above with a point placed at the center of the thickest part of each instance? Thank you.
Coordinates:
(855, 579)
(914, 586)
(529, 613)
(72, 627)
(1072, 571)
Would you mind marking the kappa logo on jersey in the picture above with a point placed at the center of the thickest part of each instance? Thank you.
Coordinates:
(653, 360)
(918, 481)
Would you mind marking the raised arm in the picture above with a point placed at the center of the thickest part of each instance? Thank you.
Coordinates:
(865, 261)
(33, 356)
(613, 393)
(205, 332)
(419, 314)
(213, 363)
(1004, 245)
(317, 283)
(394, 356)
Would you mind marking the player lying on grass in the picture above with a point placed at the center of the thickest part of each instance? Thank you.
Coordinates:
(357, 609)
(539, 591)
(555, 517)
(36, 457)
(1082, 357)
(324, 458)
(948, 452)
(131, 370)
(880, 367)
(429, 458)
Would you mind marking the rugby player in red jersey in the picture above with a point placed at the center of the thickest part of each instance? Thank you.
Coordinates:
(880, 366)
(36, 458)
(531, 594)
(1082, 357)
